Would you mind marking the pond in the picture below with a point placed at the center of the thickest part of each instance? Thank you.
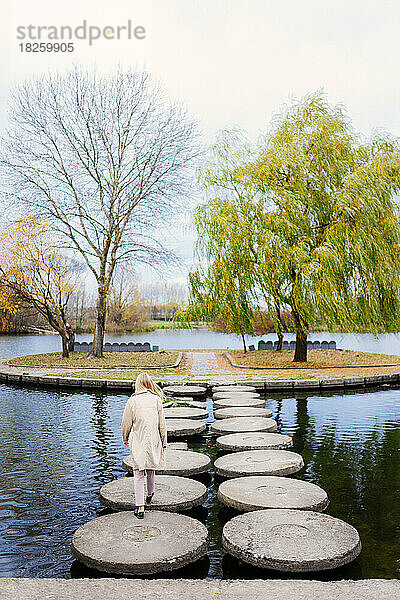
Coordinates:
(58, 449)
(180, 339)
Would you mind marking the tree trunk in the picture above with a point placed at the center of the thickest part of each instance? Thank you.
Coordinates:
(244, 343)
(99, 330)
(58, 323)
(98, 339)
(71, 337)
(300, 354)
(65, 349)
(279, 328)
(280, 342)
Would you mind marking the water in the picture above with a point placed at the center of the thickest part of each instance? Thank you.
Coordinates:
(181, 339)
(58, 448)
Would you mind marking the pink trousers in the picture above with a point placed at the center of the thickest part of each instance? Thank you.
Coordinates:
(138, 483)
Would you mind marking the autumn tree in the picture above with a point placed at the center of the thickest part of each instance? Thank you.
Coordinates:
(216, 292)
(312, 211)
(226, 285)
(330, 218)
(106, 160)
(9, 307)
(34, 272)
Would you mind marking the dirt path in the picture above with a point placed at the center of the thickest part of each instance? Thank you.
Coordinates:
(207, 364)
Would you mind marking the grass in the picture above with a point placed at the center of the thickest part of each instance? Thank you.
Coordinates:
(145, 327)
(140, 360)
(316, 359)
(148, 326)
(127, 375)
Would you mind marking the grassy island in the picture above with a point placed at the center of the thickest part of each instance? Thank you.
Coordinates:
(110, 360)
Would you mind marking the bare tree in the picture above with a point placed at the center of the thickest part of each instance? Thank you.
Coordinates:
(106, 159)
(124, 295)
(79, 309)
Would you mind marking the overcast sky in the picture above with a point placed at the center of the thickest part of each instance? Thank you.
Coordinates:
(232, 62)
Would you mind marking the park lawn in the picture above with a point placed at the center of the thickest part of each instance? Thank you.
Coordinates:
(315, 359)
(164, 375)
(141, 360)
(120, 374)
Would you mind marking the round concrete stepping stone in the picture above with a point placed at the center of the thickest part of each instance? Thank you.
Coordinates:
(172, 493)
(236, 395)
(291, 540)
(241, 411)
(238, 442)
(258, 462)
(243, 424)
(185, 412)
(178, 462)
(234, 388)
(183, 427)
(120, 543)
(261, 492)
(177, 400)
(178, 445)
(180, 401)
(185, 390)
(229, 402)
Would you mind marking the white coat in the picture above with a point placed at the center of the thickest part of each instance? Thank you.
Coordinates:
(144, 429)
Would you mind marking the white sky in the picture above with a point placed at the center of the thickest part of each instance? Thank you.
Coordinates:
(232, 62)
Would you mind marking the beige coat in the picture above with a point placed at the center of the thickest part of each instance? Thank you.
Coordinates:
(144, 429)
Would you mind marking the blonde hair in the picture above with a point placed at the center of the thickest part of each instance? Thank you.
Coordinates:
(145, 383)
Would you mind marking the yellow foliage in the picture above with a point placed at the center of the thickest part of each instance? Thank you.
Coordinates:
(32, 268)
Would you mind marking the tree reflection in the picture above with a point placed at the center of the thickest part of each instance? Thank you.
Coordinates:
(363, 484)
(103, 436)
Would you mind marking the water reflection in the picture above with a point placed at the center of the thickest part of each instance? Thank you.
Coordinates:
(102, 439)
(58, 448)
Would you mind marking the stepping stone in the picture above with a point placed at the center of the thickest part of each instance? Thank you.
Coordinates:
(172, 493)
(120, 543)
(229, 402)
(178, 462)
(185, 390)
(237, 442)
(233, 395)
(258, 462)
(241, 411)
(291, 540)
(243, 424)
(183, 427)
(234, 388)
(261, 492)
(177, 445)
(188, 412)
(181, 401)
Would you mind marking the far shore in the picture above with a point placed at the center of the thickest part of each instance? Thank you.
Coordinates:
(178, 364)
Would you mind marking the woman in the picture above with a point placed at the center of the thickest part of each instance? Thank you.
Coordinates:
(143, 427)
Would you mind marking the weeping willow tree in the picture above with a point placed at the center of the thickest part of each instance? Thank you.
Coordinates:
(330, 218)
(218, 292)
(311, 213)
